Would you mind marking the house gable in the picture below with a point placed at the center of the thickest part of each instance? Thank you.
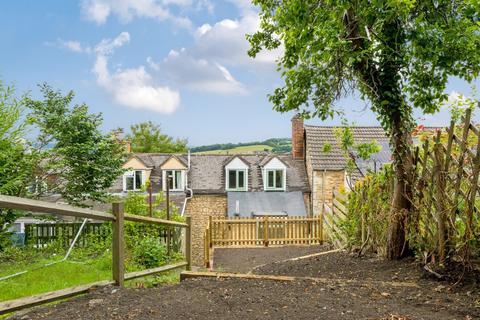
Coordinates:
(275, 163)
(173, 163)
(135, 163)
(236, 163)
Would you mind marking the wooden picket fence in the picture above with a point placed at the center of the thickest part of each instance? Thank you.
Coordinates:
(39, 235)
(261, 231)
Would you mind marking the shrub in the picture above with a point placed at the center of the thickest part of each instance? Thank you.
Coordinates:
(150, 253)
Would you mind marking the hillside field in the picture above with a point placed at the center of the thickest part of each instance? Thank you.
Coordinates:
(237, 150)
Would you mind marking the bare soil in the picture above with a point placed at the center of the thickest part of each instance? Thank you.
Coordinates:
(361, 288)
(243, 260)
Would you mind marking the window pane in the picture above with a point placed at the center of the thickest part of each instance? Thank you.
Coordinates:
(232, 179)
(169, 177)
(270, 179)
(129, 183)
(178, 179)
(279, 179)
(138, 179)
(241, 179)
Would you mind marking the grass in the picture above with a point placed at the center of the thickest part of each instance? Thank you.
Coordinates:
(42, 279)
(243, 149)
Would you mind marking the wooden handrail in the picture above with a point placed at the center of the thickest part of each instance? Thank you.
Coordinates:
(142, 219)
(9, 202)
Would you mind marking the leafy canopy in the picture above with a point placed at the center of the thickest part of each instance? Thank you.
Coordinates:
(16, 163)
(147, 137)
(398, 53)
(76, 160)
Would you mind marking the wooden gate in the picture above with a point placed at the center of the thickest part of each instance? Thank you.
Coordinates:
(261, 231)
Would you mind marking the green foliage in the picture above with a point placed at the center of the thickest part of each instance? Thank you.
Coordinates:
(16, 162)
(369, 201)
(147, 137)
(150, 252)
(76, 159)
(327, 147)
(392, 51)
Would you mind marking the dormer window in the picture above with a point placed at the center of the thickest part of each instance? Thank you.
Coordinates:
(175, 180)
(237, 180)
(133, 180)
(274, 175)
(236, 175)
(275, 180)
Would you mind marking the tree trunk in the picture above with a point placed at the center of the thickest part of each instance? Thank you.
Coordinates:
(397, 245)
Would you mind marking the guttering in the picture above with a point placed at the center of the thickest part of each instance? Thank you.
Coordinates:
(190, 191)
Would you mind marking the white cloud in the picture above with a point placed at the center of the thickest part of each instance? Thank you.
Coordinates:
(225, 41)
(71, 45)
(126, 10)
(132, 87)
(181, 68)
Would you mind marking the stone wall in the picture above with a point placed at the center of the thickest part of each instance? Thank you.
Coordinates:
(322, 186)
(199, 208)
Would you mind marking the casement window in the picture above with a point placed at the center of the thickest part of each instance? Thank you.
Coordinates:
(174, 179)
(133, 180)
(236, 180)
(275, 179)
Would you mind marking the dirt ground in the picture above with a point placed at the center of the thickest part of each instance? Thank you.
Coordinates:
(243, 260)
(356, 288)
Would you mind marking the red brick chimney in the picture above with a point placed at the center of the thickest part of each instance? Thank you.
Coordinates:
(298, 137)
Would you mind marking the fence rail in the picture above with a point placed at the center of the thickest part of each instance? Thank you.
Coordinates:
(261, 231)
(118, 269)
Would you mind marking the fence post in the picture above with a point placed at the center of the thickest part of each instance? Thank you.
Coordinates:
(210, 230)
(188, 244)
(118, 244)
(265, 231)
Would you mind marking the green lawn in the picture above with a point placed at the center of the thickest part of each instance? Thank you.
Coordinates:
(244, 149)
(55, 277)
(40, 279)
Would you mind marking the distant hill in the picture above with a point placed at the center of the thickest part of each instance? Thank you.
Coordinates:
(274, 145)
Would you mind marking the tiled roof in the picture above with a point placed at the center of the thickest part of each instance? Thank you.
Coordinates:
(207, 172)
(317, 136)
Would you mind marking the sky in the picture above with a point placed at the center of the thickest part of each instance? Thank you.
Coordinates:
(182, 64)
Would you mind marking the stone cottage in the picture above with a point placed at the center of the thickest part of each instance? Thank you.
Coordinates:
(327, 169)
(222, 185)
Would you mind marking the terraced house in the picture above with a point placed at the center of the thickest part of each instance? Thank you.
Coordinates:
(251, 185)
(222, 185)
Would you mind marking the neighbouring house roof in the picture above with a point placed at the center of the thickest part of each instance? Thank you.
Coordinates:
(207, 172)
(266, 204)
(318, 136)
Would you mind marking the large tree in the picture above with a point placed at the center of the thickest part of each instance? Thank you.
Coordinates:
(399, 54)
(148, 137)
(76, 160)
(16, 162)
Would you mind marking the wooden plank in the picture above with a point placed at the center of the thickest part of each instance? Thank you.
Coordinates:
(9, 202)
(118, 243)
(22, 303)
(150, 220)
(148, 272)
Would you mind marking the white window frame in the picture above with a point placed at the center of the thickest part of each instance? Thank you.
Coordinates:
(132, 174)
(245, 179)
(182, 180)
(275, 187)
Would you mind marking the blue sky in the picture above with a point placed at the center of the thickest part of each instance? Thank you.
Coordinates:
(179, 63)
